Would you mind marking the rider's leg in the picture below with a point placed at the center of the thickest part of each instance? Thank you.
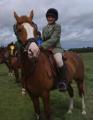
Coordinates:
(62, 84)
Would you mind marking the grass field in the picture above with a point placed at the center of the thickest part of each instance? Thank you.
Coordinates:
(13, 106)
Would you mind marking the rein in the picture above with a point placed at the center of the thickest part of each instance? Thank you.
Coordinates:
(25, 46)
(33, 61)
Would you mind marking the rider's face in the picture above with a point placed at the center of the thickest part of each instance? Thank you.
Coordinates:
(51, 20)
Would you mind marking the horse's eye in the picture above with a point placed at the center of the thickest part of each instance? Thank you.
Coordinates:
(29, 50)
(19, 30)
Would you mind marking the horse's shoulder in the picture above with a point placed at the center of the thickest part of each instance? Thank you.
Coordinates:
(50, 57)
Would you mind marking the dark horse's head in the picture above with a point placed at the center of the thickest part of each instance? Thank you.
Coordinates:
(27, 32)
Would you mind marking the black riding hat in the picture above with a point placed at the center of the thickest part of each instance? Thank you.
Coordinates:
(52, 12)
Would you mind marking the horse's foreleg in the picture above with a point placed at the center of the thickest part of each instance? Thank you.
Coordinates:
(23, 91)
(46, 101)
(11, 72)
(22, 80)
(36, 104)
(16, 72)
(71, 94)
(9, 68)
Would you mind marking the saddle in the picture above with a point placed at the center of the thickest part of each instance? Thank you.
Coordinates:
(53, 64)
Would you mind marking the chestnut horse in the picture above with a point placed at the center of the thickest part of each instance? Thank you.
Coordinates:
(39, 72)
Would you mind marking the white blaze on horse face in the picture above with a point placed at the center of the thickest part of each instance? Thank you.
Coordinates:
(12, 48)
(29, 30)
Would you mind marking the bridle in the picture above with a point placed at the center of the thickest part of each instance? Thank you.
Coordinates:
(25, 46)
(27, 32)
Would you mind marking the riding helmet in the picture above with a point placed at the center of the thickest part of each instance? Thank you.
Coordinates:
(52, 12)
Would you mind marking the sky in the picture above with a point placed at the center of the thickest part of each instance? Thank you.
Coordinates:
(75, 17)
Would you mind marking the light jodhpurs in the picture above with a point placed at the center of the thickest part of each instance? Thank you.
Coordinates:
(58, 59)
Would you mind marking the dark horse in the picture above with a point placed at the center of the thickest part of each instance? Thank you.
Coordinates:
(9, 57)
(38, 72)
(4, 55)
(13, 60)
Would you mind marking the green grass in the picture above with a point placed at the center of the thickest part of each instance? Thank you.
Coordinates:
(13, 106)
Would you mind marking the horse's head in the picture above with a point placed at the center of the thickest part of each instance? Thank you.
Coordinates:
(12, 49)
(26, 28)
(27, 32)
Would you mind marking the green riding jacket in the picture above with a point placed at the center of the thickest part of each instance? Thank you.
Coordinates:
(51, 38)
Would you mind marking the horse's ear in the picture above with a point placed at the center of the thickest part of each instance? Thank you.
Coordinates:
(31, 14)
(16, 16)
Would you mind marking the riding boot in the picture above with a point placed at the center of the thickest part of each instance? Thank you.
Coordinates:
(62, 83)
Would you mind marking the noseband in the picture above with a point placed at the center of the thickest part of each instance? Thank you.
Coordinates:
(27, 44)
